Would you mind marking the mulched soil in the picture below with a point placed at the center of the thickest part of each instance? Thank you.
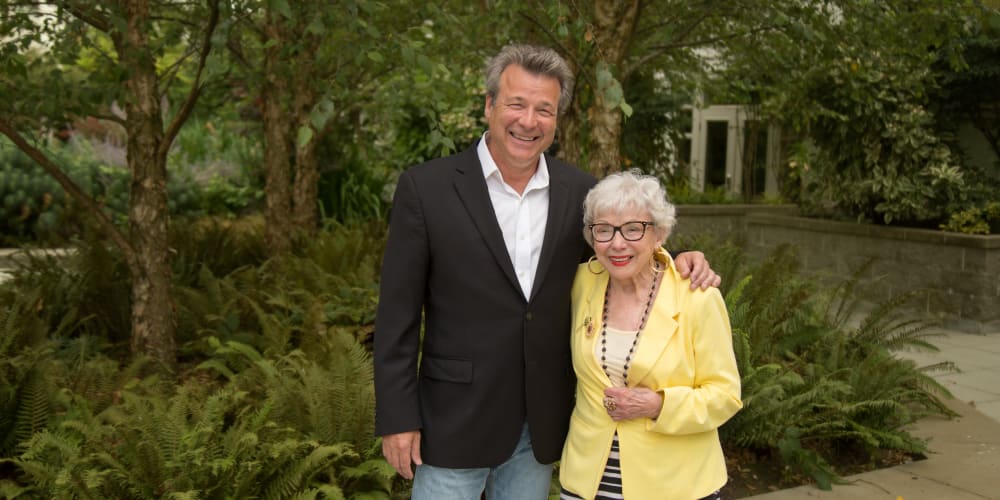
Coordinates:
(753, 472)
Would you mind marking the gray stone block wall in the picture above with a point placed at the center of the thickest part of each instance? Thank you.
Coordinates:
(958, 275)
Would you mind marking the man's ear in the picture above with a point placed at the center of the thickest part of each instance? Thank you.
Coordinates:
(489, 107)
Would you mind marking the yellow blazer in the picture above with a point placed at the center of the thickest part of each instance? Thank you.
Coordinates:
(686, 353)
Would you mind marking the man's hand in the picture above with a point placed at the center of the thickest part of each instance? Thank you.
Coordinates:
(402, 451)
(694, 265)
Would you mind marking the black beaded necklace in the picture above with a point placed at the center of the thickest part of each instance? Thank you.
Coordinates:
(642, 324)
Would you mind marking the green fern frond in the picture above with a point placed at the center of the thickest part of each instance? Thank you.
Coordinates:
(296, 474)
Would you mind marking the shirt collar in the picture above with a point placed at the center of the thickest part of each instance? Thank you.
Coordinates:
(490, 170)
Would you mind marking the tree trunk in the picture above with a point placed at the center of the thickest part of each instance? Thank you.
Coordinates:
(605, 137)
(614, 25)
(153, 320)
(570, 132)
(306, 188)
(570, 137)
(277, 126)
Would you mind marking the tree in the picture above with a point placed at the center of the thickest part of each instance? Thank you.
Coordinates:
(41, 89)
(855, 79)
(317, 68)
(610, 42)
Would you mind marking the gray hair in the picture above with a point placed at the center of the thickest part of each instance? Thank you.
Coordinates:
(629, 191)
(538, 60)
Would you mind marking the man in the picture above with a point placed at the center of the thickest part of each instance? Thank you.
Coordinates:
(482, 251)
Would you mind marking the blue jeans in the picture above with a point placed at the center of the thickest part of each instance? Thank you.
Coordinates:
(521, 477)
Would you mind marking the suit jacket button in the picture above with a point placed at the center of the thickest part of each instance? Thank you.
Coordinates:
(528, 316)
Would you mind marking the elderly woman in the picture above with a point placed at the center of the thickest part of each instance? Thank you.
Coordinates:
(656, 373)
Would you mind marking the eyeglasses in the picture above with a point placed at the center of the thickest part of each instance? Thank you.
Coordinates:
(631, 231)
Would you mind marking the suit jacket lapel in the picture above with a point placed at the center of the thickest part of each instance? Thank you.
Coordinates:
(472, 191)
(594, 311)
(560, 213)
(661, 325)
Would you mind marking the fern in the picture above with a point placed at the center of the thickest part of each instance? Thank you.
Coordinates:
(27, 366)
(811, 382)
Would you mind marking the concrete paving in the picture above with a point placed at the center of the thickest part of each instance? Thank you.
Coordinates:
(963, 462)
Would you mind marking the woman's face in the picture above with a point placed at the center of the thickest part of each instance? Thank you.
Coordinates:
(625, 259)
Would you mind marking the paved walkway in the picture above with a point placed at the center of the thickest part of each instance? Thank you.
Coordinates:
(963, 462)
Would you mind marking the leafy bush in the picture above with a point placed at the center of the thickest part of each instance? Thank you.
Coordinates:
(975, 220)
(282, 302)
(35, 207)
(681, 193)
(34, 204)
(26, 385)
(814, 382)
(275, 400)
(355, 192)
(197, 443)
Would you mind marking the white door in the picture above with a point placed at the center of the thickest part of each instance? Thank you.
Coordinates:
(730, 150)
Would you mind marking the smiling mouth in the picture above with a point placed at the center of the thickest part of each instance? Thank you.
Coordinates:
(619, 261)
(524, 138)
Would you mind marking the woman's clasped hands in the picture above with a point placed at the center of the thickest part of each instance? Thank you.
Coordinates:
(626, 403)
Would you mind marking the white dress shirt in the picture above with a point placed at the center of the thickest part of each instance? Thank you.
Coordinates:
(521, 216)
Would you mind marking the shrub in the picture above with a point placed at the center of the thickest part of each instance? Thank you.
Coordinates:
(814, 381)
(975, 220)
(35, 207)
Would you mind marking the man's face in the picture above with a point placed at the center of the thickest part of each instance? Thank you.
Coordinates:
(522, 120)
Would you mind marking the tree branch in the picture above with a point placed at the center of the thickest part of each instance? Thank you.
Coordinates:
(196, 86)
(104, 223)
(87, 14)
(562, 49)
(658, 50)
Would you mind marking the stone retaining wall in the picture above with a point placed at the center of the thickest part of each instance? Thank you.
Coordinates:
(959, 273)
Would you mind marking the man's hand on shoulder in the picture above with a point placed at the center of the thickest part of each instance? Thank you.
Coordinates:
(694, 265)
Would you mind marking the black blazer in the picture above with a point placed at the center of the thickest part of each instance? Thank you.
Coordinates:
(492, 359)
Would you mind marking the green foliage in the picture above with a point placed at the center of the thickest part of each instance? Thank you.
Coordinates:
(968, 94)
(198, 442)
(276, 400)
(355, 193)
(858, 80)
(88, 283)
(818, 376)
(680, 192)
(327, 392)
(219, 245)
(878, 156)
(35, 207)
(43, 372)
(26, 385)
(975, 220)
(212, 167)
(287, 300)
(652, 135)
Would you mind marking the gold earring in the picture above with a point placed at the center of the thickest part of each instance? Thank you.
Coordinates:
(655, 264)
(590, 261)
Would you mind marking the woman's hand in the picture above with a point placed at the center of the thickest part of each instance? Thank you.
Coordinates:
(625, 403)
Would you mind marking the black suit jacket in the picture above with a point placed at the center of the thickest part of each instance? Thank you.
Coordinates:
(492, 358)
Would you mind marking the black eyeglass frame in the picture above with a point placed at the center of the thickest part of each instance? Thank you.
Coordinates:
(618, 229)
